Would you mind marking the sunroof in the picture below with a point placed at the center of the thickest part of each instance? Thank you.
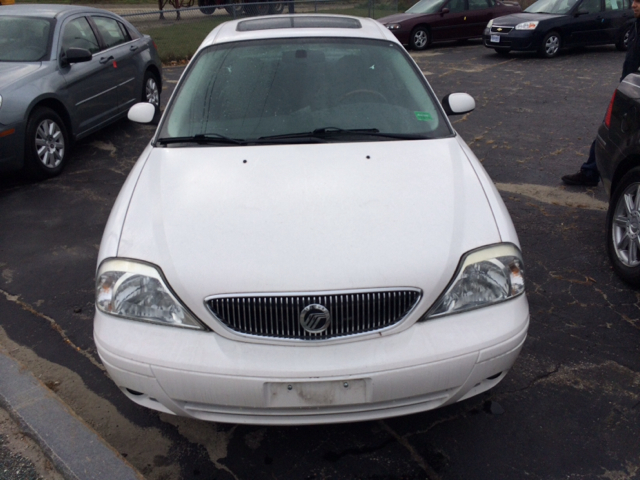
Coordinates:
(315, 21)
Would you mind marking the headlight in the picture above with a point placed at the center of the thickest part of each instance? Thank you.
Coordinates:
(490, 23)
(138, 291)
(0, 101)
(527, 26)
(485, 277)
(393, 26)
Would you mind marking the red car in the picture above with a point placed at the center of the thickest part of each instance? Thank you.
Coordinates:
(440, 20)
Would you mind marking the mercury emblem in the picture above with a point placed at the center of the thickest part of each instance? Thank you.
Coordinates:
(315, 318)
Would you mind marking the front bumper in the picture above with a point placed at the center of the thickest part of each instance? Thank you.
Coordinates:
(202, 375)
(519, 40)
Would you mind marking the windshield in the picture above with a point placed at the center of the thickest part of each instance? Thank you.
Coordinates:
(339, 89)
(551, 6)
(24, 39)
(427, 6)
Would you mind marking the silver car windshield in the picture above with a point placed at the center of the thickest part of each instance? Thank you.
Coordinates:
(23, 39)
(559, 7)
(297, 90)
(427, 6)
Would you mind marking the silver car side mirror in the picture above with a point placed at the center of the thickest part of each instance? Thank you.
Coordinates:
(142, 112)
(458, 103)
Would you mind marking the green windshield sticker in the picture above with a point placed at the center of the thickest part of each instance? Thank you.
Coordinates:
(423, 116)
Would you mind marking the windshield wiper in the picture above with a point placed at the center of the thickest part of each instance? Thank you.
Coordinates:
(202, 138)
(332, 132)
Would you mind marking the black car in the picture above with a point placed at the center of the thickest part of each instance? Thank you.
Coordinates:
(618, 159)
(549, 25)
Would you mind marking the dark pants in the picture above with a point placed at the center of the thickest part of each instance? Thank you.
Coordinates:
(291, 7)
(589, 168)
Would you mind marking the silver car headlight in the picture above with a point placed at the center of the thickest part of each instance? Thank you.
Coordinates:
(527, 26)
(490, 23)
(0, 101)
(485, 277)
(138, 291)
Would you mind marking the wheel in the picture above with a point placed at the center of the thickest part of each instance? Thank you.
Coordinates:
(205, 6)
(419, 39)
(502, 51)
(623, 228)
(370, 93)
(623, 42)
(258, 9)
(276, 8)
(234, 10)
(151, 90)
(550, 45)
(46, 148)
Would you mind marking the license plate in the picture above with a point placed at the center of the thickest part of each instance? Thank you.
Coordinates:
(495, 38)
(316, 394)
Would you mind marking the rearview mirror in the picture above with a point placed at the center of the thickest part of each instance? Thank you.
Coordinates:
(581, 11)
(142, 112)
(445, 10)
(458, 103)
(77, 55)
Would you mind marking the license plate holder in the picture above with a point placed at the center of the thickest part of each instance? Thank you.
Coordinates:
(495, 38)
(316, 394)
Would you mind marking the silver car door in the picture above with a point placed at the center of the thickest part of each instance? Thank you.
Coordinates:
(91, 86)
(119, 44)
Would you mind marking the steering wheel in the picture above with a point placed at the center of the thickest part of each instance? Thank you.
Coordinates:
(372, 93)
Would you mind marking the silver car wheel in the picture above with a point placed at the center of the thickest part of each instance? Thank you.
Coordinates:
(552, 45)
(625, 39)
(49, 143)
(420, 39)
(151, 91)
(626, 226)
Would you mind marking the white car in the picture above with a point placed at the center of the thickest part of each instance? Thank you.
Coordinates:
(307, 239)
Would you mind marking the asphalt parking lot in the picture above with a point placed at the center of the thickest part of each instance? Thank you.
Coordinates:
(570, 407)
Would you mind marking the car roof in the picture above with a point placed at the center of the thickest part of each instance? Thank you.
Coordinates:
(298, 25)
(45, 10)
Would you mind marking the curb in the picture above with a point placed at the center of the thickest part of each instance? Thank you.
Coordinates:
(75, 449)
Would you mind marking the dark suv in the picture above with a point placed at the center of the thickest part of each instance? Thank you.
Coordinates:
(618, 158)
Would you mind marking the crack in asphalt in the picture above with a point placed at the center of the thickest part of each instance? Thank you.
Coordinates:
(431, 473)
(54, 325)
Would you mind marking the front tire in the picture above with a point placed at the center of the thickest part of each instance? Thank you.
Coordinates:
(623, 228)
(151, 89)
(205, 6)
(419, 39)
(550, 45)
(503, 52)
(258, 9)
(623, 42)
(47, 144)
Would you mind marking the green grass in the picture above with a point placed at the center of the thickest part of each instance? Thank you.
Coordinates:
(179, 41)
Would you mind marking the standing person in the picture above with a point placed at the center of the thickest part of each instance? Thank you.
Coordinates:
(588, 175)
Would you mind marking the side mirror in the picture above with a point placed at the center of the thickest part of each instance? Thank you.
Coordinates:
(77, 55)
(142, 112)
(581, 11)
(458, 103)
(445, 10)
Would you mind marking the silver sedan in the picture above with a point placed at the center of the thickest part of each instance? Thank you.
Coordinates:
(65, 72)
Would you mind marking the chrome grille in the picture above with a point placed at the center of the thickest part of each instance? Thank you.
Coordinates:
(279, 316)
(499, 29)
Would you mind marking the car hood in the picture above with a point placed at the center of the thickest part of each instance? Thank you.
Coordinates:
(307, 218)
(12, 72)
(399, 17)
(516, 18)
